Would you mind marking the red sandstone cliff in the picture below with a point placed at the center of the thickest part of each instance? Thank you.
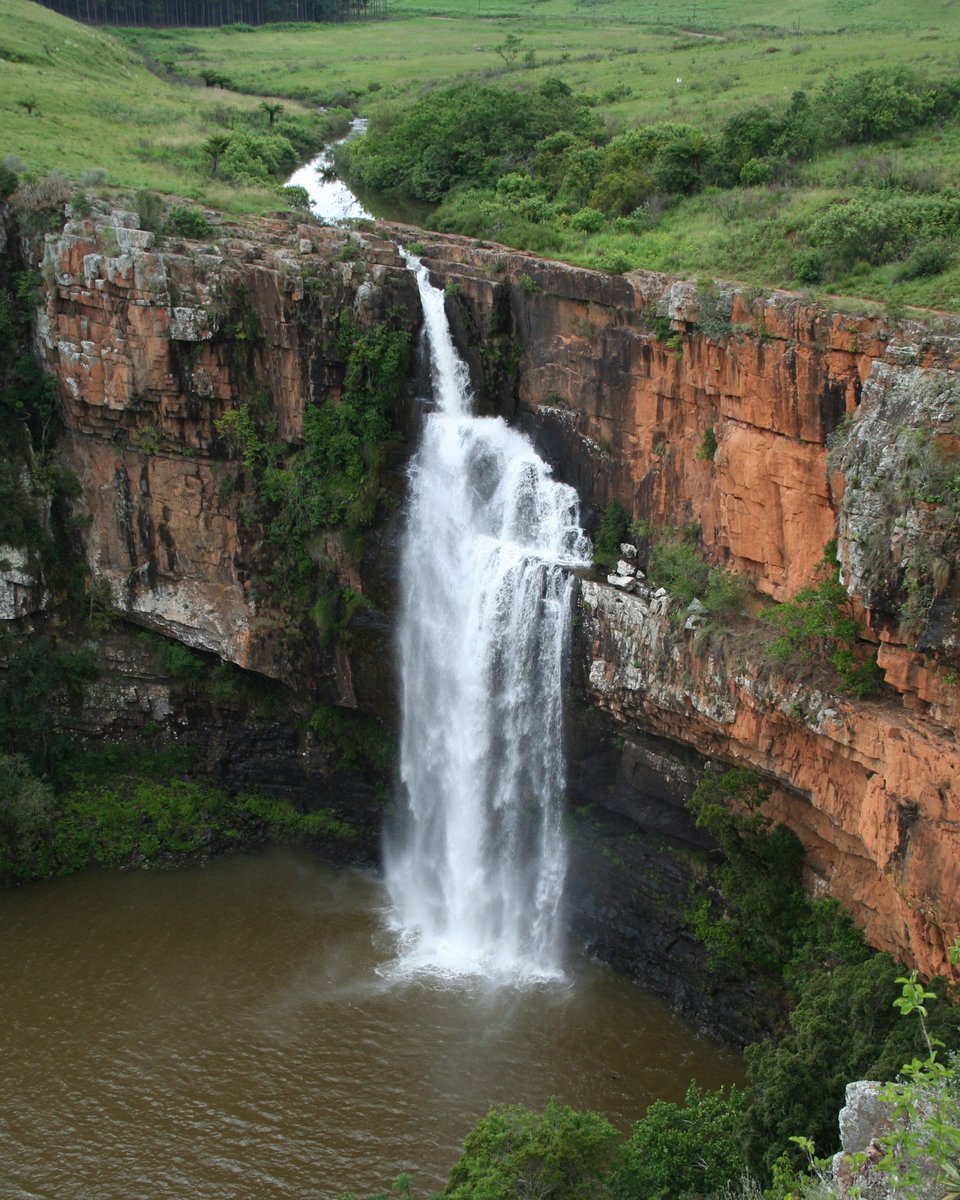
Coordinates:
(618, 379)
(151, 344)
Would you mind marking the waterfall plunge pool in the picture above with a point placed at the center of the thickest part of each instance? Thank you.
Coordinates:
(233, 1031)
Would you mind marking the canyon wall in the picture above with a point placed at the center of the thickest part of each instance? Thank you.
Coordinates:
(618, 380)
(151, 346)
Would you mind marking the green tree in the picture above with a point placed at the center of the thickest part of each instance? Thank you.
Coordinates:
(839, 1030)
(612, 530)
(273, 109)
(693, 1149)
(515, 1154)
(509, 48)
(26, 814)
(215, 147)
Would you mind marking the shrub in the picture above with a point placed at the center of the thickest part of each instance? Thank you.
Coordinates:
(724, 598)
(79, 204)
(930, 258)
(818, 625)
(26, 810)
(255, 158)
(587, 220)
(191, 223)
(183, 663)
(464, 135)
(874, 103)
(707, 449)
(8, 182)
(515, 1154)
(837, 1031)
(677, 565)
(614, 261)
(877, 228)
(681, 162)
(756, 171)
(150, 210)
(677, 1151)
(295, 197)
(93, 177)
(612, 530)
(755, 900)
(806, 267)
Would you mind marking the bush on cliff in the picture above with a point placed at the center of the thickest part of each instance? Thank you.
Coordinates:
(753, 906)
(26, 813)
(843, 1027)
(135, 821)
(818, 626)
(611, 532)
(831, 1022)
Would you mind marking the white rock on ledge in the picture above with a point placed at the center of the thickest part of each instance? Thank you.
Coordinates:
(624, 582)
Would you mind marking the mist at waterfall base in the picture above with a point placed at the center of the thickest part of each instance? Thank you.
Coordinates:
(475, 865)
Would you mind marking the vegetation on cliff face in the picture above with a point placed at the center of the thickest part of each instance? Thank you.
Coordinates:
(751, 911)
(135, 820)
(819, 626)
(330, 483)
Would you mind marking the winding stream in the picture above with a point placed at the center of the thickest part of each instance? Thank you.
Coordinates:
(333, 202)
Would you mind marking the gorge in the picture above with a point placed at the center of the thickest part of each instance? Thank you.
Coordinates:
(150, 347)
(615, 379)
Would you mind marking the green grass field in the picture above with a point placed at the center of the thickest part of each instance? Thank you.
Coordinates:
(642, 49)
(645, 61)
(97, 105)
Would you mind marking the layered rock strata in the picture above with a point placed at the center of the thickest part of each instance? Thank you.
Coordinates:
(619, 380)
(152, 342)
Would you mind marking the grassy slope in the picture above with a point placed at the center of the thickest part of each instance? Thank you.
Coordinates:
(640, 44)
(768, 49)
(98, 106)
(642, 47)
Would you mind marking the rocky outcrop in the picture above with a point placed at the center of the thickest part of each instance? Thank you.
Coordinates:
(867, 786)
(152, 342)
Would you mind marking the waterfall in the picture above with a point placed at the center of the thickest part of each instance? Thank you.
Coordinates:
(475, 864)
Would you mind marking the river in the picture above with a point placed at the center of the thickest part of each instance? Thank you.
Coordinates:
(237, 1031)
(333, 202)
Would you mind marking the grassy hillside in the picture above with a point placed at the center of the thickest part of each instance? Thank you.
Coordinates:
(97, 106)
(637, 62)
(636, 48)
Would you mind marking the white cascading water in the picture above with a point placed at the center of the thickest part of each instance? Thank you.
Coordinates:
(476, 865)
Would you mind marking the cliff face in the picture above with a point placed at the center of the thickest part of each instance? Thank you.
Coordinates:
(618, 380)
(151, 346)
